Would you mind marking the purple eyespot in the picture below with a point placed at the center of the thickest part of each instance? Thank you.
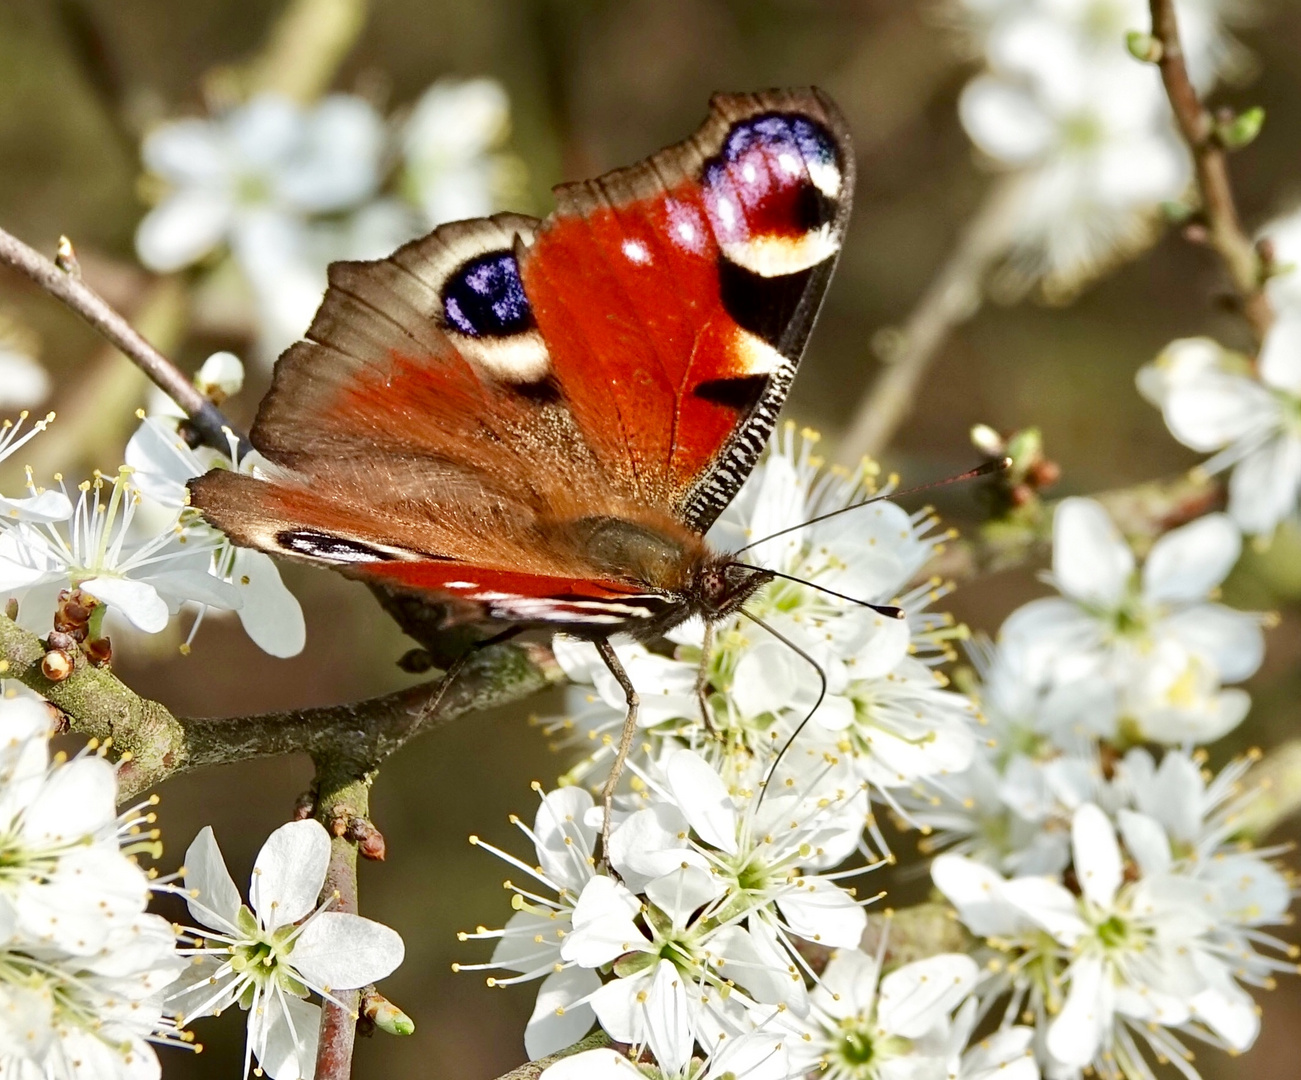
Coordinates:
(484, 297)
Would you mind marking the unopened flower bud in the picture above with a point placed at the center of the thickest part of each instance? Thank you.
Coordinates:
(1144, 47)
(386, 1016)
(220, 377)
(369, 840)
(56, 665)
(1236, 132)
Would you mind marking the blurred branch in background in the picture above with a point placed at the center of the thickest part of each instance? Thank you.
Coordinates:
(305, 48)
(952, 298)
(63, 282)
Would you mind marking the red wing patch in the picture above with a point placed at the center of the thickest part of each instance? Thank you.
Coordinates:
(675, 297)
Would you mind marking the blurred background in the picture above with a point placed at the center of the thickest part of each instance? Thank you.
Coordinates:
(588, 85)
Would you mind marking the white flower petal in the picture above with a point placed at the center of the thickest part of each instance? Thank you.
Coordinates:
(1048, 904)
(291, 1034)
(183, 228)
(137, 600)
(915, 997)
(268, 611)
(1004, 120)
(683, 891)
(556, 1021)
(1146, 841)
(1280, 355)
(1091, 561)
(603, 1064)
(206, 876)
(1187, 563)
(289, 873)
(668, 1021)
(341, 951)
(976, 890)
(820, 910)
(700, 793)
(1098, 864)
(1075, 1035)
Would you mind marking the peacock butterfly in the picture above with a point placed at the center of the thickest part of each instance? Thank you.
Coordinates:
(522, 423)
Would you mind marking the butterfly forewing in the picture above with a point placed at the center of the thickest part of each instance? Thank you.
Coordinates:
(466, 417)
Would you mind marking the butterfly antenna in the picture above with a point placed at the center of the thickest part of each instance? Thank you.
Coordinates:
(822, 693)
(888, 610)
(997, 465)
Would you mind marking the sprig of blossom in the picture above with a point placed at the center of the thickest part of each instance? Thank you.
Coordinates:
(1143, 938)
(1148, 650)
(94, 547)
(1084, 129)
(887, 718)
(720, 887)
(269, 955)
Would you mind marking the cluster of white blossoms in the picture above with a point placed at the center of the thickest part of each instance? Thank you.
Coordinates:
(1113, 908)
(1082, 126)
(84, 968)
(131, 544)
(287, 189)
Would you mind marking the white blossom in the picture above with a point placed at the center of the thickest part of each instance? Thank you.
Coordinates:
(530, 943)
(82, 964)
(95, 548)
(162, 462)
(267, 955)
(450, 143)
(265, 159)
(1083, 126)
(1247, 415)
(1153, 639)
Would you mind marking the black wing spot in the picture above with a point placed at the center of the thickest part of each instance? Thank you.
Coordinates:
(323, 545)
(484, 297)
(742, 392)
(765, 306)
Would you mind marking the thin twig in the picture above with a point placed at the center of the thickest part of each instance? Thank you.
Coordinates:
(1210, 161)
(952, 298)
(207, 419)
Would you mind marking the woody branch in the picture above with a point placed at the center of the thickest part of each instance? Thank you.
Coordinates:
(1225, 234)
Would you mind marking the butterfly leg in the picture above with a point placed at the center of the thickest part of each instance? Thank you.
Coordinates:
(702, 678)
(607, 652)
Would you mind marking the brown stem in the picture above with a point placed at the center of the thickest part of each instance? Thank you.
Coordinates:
(81, 298)
(340, 791)
(359, 736)
(1210, 161)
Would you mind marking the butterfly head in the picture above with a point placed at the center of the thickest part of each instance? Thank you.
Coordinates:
(721, 586)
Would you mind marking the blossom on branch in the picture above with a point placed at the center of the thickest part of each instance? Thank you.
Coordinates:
(1248, 415)
(269, 955)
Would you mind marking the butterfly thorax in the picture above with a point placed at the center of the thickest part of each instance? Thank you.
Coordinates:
(675, 572)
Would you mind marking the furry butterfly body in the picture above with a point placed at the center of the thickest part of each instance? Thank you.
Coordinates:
(521, 423)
